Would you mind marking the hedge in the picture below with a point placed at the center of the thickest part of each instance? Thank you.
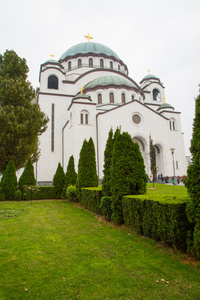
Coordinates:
(2, 195)
(163, 219)
(39, 192)
(91, 198)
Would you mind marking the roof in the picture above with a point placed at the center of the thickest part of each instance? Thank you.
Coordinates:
(165, 105)
(84, 48)
(108, 80)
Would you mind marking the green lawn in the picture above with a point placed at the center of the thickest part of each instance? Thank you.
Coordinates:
(58, 250)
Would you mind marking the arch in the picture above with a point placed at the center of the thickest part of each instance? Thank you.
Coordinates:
(132, 97)
(156, 95)
(90, 62)
(141, 141)
(52, 82)
(119, 67)
(79, 63)
(69, 65)
(159, 158)
(99, 98)
(111, 98)
(111, 65)
(101, 63)
(123, 98)
(84, 117)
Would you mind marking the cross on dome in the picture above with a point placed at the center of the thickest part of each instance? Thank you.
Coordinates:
(164, 100)
(81, 88)
(148, 72)
(88, 37)
(52, 56)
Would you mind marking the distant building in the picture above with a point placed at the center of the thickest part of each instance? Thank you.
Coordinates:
(88, 91)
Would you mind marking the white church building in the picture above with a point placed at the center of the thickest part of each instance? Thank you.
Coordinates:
(86, 93)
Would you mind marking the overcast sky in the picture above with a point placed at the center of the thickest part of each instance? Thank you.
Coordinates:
(160, 35)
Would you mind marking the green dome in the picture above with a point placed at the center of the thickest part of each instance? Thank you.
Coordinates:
(165, 105)
(89, 47)
(150, 76)
(108, 80)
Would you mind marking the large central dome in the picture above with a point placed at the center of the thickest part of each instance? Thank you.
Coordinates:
(89, 47)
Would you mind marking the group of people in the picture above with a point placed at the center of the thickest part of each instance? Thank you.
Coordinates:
(166, 179)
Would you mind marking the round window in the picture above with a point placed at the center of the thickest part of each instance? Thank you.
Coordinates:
(136, 119)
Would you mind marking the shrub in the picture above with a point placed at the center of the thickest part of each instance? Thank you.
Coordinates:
(164, 219)
(105, 207)
(71, 193)
(27, 177)
(59, 181)
(39, 192)
(9, 181)
(91, 198)
(2, 195)
(18, 195)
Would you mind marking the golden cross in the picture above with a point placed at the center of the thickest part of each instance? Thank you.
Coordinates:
(164, 100)
(88, 37)
(148, 72)
(52, 56)
(81, 88)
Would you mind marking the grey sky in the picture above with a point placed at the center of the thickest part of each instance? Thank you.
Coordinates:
(160, 35)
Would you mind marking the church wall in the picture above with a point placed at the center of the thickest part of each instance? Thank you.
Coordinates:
(44, 81)
(149, 97)
(152, 124)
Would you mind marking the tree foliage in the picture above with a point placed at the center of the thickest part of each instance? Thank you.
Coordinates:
(21, 120)
(152, 154)
(59, 180)
(9, 181)
(27, 177)
(127, 173)
(70, 176)
(87, 173)
(192, 181)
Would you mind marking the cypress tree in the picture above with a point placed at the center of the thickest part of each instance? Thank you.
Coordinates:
(87, 175)
(9, 181)
(192, 181)
(127, 173)
(59, 181)
(152, 154)
(71, 175)
(27, 177)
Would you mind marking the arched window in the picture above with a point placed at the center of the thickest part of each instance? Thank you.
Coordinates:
(69, 65)
(84, 117)
(132, 97)
(79, 63)
(111, 98)
(119, 67)
(111, 64)
(101, 63)
(99, 99)
(123, 98)
(53, 82)
(90, 62)
(172, 124)
(156, 95)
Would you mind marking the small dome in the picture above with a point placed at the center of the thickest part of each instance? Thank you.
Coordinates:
(108, 80)
(78, 96)
(165, 105)
(86, 48)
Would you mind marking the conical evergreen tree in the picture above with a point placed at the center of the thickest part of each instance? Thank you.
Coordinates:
(27, 177)
(128, 173)
(70, 176)
(87, 175)
(59, 181)
(9, 181)
(192, 181)
(152, 154)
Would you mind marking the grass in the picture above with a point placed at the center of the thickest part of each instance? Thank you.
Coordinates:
(58, 250)
(166, 190)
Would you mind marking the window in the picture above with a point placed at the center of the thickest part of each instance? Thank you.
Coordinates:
(177, 165)
(123, 98)
(90, 62)
(69, 65)
(119, 67)
(84, 117)
(99, 99)
(172, 124)
(79, 63)
(136, 119)
(156, 95)
(53, 82)
(111, 64)
(52, 126)
(132, 97)
(101, 63)
(111, 98)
